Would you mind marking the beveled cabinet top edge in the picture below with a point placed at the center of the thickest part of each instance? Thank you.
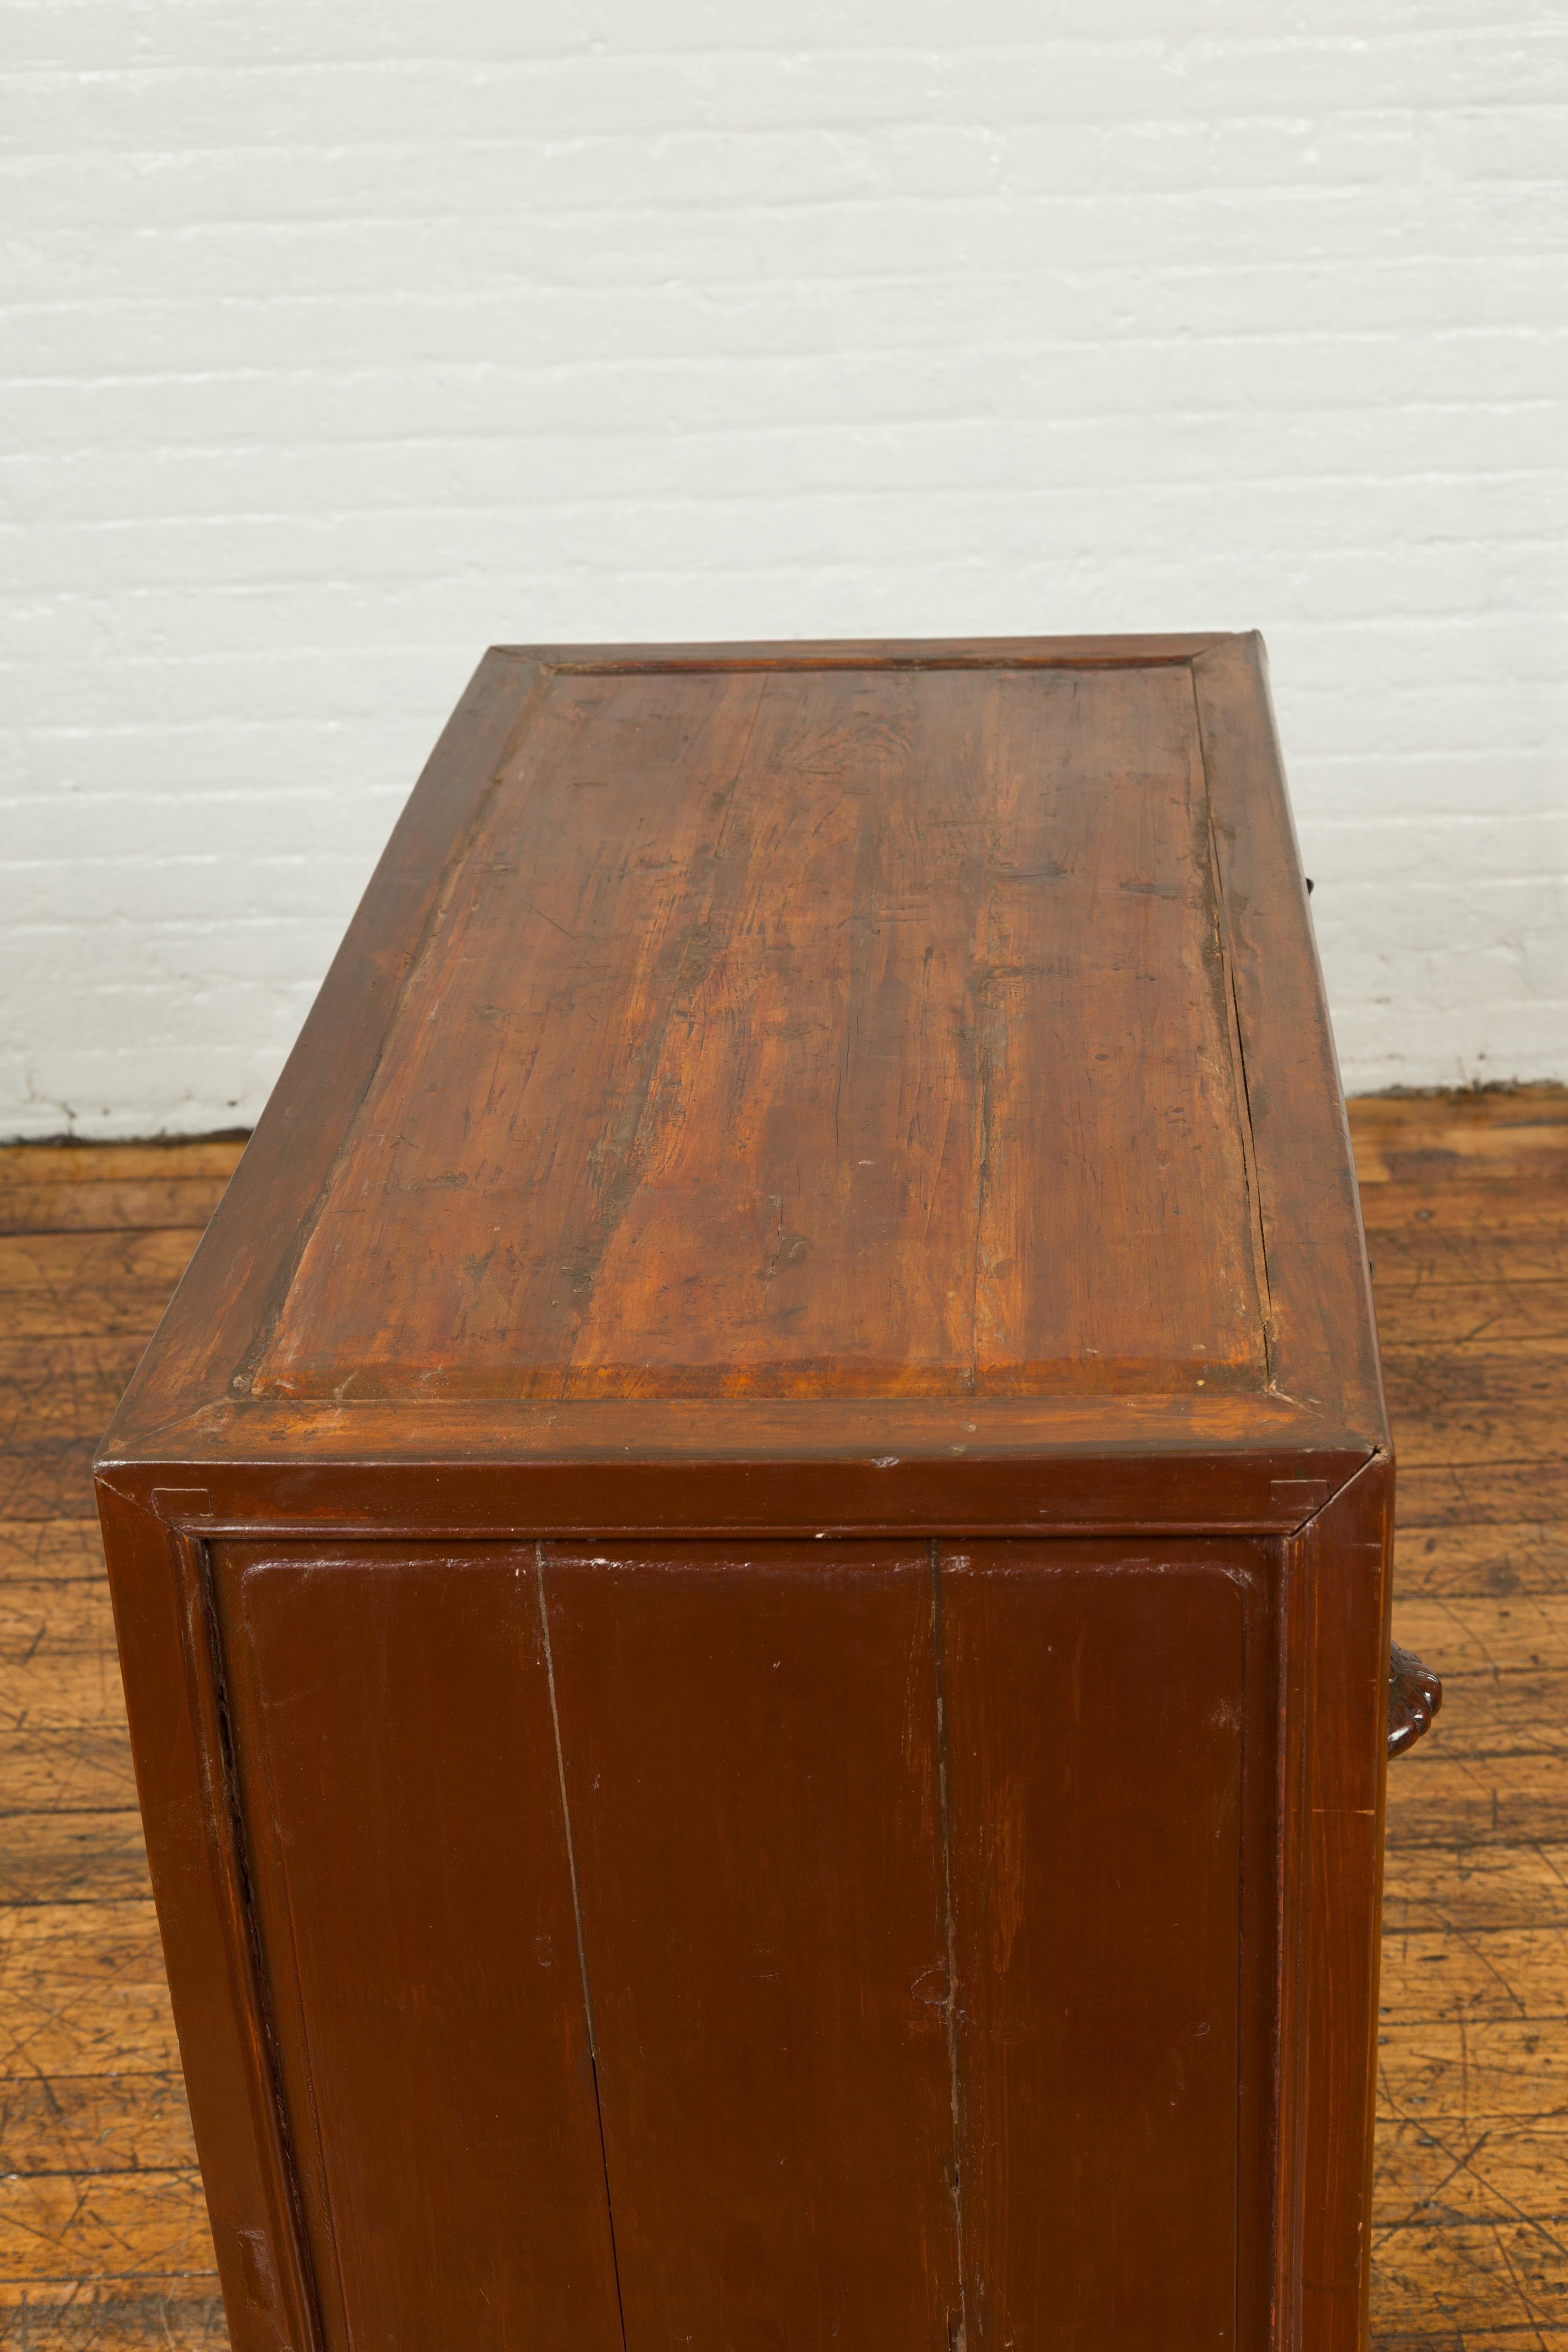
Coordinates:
(884, 1431)
(1323, 1343)
(189, 1387)
(1269, 1493)
(874, 653)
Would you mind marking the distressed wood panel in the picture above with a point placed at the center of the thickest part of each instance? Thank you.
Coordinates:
(1499, 1972)
(1467, 1435)
(1428, 2172)
(1459, 1314)
(70, 1166)
(1500, 2274)
(95, 2122)
(1474, 1562)
(56, 1397)
(1467, 1889)
(147, 1205)
(59, 2227)
(46, 1477)
(1523, 2337)
(51, 1387)
(57, 1284)
(1492, 1207)
(83, 1768)
(1441, 1494)
(1510, 1633)
(1462, 2069)
(49, 1694)
(1419, 1139)
(792, 1051)
(46, 1617)
(1450, 1798)
(58, 1857)
(1507, 1372)
(1427, 1257)
(82, 1991)
(107, 2314)
(57, 1550)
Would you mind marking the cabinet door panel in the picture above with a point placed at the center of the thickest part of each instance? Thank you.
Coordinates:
(751, 1771)
(1096, 1725)
(401, 1792)
(805, 2114)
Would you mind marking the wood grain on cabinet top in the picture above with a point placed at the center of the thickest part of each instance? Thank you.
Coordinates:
(814, 1023)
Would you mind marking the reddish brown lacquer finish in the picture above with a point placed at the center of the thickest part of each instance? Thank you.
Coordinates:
(753, 1566)
(751, 1765)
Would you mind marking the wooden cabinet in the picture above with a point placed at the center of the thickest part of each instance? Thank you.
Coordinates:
(753, 1566)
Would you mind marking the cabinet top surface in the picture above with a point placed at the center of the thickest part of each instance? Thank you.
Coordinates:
(935, 1026)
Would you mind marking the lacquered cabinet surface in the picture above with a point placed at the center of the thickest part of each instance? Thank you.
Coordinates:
(753, 1772)
(752, 1567)
(1111, 1937)
(395, 1766)
(887, 1974)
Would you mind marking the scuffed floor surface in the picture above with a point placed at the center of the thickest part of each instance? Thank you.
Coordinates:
(103, 2238)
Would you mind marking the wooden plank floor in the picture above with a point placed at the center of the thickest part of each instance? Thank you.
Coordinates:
(103, 2240)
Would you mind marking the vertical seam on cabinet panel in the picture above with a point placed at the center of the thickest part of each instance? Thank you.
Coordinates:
(1297, 1597)
(1246, 2091)
(958, 2339)
(273, 1817)
(577, 1922)
(201, 1642)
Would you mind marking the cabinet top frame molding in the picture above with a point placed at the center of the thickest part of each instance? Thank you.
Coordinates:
(808, 1086)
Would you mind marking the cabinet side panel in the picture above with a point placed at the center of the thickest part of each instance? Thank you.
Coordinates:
(1338, 1699)
(1097, 1730)
(751, 1764)
(398, 1778)
(166, 1659)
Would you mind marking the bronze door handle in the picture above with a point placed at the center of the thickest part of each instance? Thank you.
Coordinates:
(1415, 1696)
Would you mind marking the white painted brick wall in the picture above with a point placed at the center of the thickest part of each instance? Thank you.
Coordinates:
(340, 340)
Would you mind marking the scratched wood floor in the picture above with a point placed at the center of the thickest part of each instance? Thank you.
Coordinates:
(103, 2240)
